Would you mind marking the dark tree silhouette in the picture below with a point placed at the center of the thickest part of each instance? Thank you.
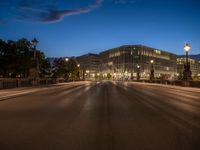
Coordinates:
(16, 58)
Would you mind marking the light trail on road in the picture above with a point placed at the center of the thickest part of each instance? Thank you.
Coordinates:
(102, 116)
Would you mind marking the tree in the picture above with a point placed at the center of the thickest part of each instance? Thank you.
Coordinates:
(23, 57)
(59, 67)
(16, 58)
(3, 47)
(72, 70)
(45, 68)
(66, 69)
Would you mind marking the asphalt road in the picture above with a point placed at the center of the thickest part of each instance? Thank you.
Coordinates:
(102, 116)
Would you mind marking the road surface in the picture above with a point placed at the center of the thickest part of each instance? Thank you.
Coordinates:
(102, 116)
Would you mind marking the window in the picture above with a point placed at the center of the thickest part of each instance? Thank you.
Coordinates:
(157, 52)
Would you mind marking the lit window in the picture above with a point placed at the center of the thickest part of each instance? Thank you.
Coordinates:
(157, 51)
(110, 63)
(132, 53)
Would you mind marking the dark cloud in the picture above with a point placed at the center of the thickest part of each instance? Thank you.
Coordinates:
(47, 11)
(125, 1)
(51, 13)
(56, 15)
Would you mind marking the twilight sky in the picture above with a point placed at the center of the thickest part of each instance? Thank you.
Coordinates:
(75, 27)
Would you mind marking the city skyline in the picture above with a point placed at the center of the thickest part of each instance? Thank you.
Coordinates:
(98, 25)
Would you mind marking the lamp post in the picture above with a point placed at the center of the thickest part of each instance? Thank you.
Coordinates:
(67, 75)
(66, 59)
(187, 74)
(34, 43)
(34, 66)
(87, 74)
(131, 65)
(152, 70)
(78, 66)
(138, 72)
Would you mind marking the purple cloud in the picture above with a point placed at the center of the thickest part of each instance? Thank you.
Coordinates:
(51, 14)
(47, 11)
(124, 1)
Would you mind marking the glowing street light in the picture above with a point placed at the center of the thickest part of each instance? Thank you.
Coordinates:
(66, 59)
(152, 61)
(152, 70)
(187, 47)
(87, 74)
(34, 67)
(187, 74)
(138, 72)
(34, 43)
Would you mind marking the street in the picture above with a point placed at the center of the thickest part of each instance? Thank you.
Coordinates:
(102, 116)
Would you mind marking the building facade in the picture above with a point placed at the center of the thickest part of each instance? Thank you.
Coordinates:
(194, 67)
(89, 66)
(128, 61)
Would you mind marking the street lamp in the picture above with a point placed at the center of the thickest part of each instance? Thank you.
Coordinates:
(33, 72)
(187, 74)
(66, 59)
(138, 72)
(87, 74)
(152, 70)
(78, 65)
(34, 43)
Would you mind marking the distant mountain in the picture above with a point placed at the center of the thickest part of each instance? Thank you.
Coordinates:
(197, 57)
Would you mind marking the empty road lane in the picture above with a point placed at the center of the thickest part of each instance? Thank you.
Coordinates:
(102, 116)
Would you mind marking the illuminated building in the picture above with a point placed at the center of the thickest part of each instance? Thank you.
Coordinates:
(89, 66)
(122, 62)
(194, 66)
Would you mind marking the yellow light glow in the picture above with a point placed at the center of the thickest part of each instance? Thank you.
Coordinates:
(187, 47)
(66, 59)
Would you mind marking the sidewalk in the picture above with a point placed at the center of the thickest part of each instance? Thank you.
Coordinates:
(11, 93)
(190, 89)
